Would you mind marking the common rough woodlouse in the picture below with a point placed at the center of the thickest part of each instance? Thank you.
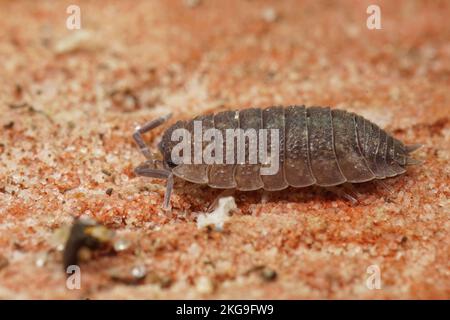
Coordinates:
(317, 145)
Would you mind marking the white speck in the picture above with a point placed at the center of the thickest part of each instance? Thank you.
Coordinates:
(121, 245)
(78, 40)
(41, 260)
(219, 216)
(191, 3)
(99, 178)
(204, 285)
(194, 250)
(139, 271)
(269, 15)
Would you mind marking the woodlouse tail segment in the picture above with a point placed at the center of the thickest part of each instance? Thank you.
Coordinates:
(390, 157)
(412, 147)
(347, 148)
(413, 162)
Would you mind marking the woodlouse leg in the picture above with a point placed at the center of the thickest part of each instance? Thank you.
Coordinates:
(385, 186)
(137, 136)
(351, 189)
(410, 149)
(265, 196)
(146, 170)
(341, 192)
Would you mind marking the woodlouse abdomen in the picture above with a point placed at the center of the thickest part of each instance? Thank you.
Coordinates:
(317, 146)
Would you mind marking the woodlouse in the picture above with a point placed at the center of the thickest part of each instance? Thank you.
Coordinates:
(318, 146)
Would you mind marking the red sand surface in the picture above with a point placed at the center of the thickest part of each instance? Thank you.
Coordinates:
(69, 104)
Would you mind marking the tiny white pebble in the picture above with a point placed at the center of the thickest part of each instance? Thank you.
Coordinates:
(204, 285)
(121, 245)
(269, 15)
(191, 3)
(219, 216)
(139, 271)
(41, 260)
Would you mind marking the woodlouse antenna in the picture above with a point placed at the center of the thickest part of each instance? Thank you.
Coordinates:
(145, 128)
(152, 167)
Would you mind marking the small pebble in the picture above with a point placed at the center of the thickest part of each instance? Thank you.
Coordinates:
(165, 282)
(191, 3)
(268, 274)
(204, 285)
(269, 15)
(9, 125)
(121, 245)
(79, 40)
(41, 260)
(139, 272)
(106, 172)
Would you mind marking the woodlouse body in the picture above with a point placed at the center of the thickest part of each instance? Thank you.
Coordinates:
(318, 146)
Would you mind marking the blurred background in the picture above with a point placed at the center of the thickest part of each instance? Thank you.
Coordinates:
(194, 55)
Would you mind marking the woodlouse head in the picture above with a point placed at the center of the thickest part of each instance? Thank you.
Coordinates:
(166, 145)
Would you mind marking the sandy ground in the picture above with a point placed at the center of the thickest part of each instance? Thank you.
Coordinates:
(69, 101)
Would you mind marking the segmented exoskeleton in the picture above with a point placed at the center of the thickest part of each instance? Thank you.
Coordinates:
(317, 146)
